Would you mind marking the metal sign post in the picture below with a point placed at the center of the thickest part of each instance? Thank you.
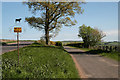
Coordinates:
(18, 45)
(17, 30)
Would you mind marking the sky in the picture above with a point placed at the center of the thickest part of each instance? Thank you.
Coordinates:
(101, 15)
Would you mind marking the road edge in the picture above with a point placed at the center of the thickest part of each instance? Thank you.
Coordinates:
(80, 71)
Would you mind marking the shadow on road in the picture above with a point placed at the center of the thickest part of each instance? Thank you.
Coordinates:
(77, 52)
(93, 52)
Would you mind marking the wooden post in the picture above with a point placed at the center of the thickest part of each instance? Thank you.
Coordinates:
(18, 45)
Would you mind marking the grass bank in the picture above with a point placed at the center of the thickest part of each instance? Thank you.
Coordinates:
(37, 61)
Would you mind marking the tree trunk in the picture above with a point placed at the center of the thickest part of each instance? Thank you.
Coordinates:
(47, 26)
(86, 44)
(47, 36)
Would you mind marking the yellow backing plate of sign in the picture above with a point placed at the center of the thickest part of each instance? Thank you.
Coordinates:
(17, 29)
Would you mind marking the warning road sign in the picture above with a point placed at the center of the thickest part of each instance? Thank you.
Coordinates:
(17, 29)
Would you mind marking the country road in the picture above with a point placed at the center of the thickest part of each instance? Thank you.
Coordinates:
(13, 46)
(92, 65)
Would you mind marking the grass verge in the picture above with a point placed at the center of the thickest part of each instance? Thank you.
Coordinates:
(37, 61)
(112, 55)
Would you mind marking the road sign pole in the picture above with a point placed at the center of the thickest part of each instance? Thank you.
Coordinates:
(18, 29)
(18, 45)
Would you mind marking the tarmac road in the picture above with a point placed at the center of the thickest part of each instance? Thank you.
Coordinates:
(13, 46)
(92, 65)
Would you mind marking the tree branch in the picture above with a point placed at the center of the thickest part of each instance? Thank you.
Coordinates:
(55, 23)
(59, 12)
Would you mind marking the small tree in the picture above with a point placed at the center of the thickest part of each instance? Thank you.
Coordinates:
(90, 35)
(52, 15)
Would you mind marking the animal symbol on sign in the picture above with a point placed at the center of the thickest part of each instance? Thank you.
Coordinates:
(18, 20)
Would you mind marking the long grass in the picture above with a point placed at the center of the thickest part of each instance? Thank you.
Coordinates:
(37, 61)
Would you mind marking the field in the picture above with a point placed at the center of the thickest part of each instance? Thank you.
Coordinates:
(114, 43)
(37, 61)
(70, 42)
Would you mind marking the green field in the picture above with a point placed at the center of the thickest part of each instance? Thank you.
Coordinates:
(113, 43)
(28, 40)
(11, 42)
(37, 61)
(69, 42)
(84, 49)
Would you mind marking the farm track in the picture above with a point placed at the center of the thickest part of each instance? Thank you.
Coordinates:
(92, 65)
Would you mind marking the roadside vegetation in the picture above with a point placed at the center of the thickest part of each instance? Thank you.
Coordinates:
(3, 43)
(38, 61)
(110, 54)
(113, 55)
(91, 36)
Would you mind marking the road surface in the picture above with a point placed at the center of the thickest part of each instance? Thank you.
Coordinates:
(92, 65)
(13, 46)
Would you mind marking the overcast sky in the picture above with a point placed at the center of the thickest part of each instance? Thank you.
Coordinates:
(101, 15)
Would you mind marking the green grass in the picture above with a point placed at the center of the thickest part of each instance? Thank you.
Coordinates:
(37, 61)
(112, 55)
(28, 40)
(70, 42)
(11, 42)
(84, 49)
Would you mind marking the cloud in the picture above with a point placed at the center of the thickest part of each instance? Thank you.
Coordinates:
(111, 32)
